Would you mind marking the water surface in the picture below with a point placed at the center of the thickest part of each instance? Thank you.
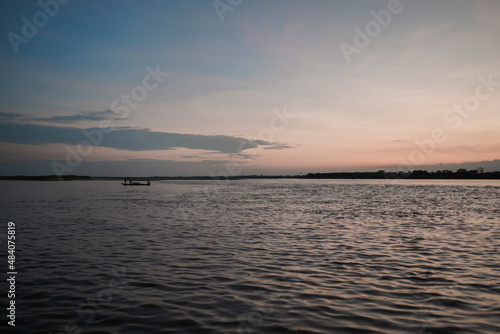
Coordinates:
(256, 256)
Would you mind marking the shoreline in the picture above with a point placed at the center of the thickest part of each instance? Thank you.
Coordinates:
(380, 175)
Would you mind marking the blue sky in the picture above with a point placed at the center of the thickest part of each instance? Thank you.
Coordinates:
(229, 79)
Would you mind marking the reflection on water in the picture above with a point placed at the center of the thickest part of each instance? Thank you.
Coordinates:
(273, 256)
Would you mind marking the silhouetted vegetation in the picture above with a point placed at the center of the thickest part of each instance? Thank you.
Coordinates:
(416, 174)
(47, 178)
(381, 174)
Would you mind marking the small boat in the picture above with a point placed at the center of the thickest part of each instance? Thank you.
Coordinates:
(135, 182)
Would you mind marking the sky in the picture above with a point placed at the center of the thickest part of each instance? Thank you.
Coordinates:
(203, 87)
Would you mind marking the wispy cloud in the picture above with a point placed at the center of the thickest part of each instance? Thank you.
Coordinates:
(81, 116)
(10, 116)
(277, 146)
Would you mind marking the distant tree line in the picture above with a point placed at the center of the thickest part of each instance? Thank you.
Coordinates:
(46, 177)
(381, 174)
(416, 174)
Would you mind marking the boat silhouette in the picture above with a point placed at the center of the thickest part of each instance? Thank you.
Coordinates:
(130, 182)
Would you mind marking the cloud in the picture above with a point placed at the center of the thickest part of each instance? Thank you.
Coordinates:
(125, 138)
(82, 116)
(10, 116)
(277, 146)
(75, 118)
